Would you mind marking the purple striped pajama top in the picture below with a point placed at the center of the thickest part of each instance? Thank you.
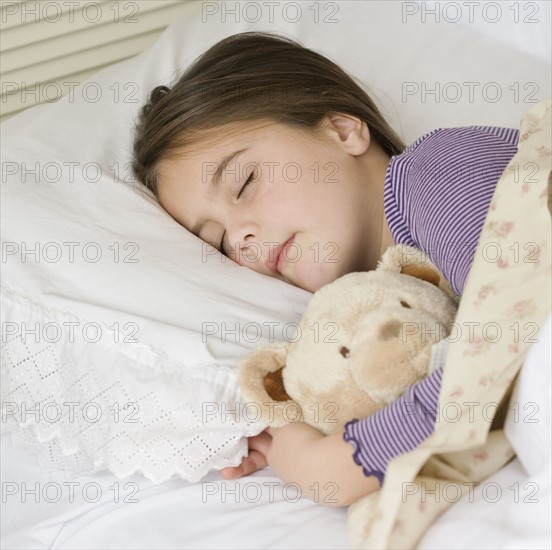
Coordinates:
(436, 196)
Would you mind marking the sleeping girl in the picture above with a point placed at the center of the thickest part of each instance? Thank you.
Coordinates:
(274, 155)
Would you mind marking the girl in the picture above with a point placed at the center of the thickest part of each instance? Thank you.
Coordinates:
(263, 145)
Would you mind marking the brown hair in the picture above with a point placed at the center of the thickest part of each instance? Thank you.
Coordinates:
(249, 77)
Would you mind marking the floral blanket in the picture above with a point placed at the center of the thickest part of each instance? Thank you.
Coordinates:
(505, 302)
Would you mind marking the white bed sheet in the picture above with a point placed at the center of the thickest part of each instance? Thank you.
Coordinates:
(259, 511)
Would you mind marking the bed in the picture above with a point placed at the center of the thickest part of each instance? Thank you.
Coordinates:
(84, 247)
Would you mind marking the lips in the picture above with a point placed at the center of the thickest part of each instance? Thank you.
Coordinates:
(275, 261)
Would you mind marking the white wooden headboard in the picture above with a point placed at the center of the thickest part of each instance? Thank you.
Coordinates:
(47, 47)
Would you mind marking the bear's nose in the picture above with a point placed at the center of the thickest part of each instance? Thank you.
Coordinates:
(344, 351)
(391, 329)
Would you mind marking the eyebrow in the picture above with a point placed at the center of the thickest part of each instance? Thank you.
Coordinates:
(215, 181)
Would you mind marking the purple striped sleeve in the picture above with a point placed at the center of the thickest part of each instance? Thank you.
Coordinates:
(436, 196)
(410, 420)
(437, 193)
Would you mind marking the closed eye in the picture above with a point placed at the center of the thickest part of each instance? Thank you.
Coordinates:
(249, 180)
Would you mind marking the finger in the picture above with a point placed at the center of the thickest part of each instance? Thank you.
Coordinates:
(260, 442)
(255, 461)
(231, 472)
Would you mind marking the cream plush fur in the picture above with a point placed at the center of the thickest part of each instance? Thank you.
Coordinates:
(362, 341)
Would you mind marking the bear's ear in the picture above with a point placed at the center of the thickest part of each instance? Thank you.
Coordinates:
(411, 261)
(261, 373)
(423, 272)
(262, 382)
(274, 385)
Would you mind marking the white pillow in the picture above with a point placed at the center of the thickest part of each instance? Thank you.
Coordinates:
(82, 194)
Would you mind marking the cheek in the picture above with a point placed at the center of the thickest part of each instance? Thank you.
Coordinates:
(311, 274)
(283, 198)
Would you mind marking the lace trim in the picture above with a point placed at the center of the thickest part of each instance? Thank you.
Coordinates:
(84, 406)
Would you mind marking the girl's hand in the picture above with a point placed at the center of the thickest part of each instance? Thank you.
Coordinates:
(298, 453)
(256, 459)
(322, 465)
(274, 447)
(291, 451)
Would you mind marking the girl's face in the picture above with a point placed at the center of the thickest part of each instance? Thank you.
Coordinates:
(299, 206)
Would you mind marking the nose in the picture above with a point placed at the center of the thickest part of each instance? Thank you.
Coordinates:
(243, 241)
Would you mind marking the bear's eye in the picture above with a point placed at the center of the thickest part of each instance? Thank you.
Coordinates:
(405, 304)
(344, 351)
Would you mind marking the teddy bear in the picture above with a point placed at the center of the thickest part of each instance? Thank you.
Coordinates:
(362, 341)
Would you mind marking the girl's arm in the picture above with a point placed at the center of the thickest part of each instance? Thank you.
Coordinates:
(320, 465)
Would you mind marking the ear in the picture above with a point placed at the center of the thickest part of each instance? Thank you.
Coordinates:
(412, 261)
(348, 132)
(262, 382)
